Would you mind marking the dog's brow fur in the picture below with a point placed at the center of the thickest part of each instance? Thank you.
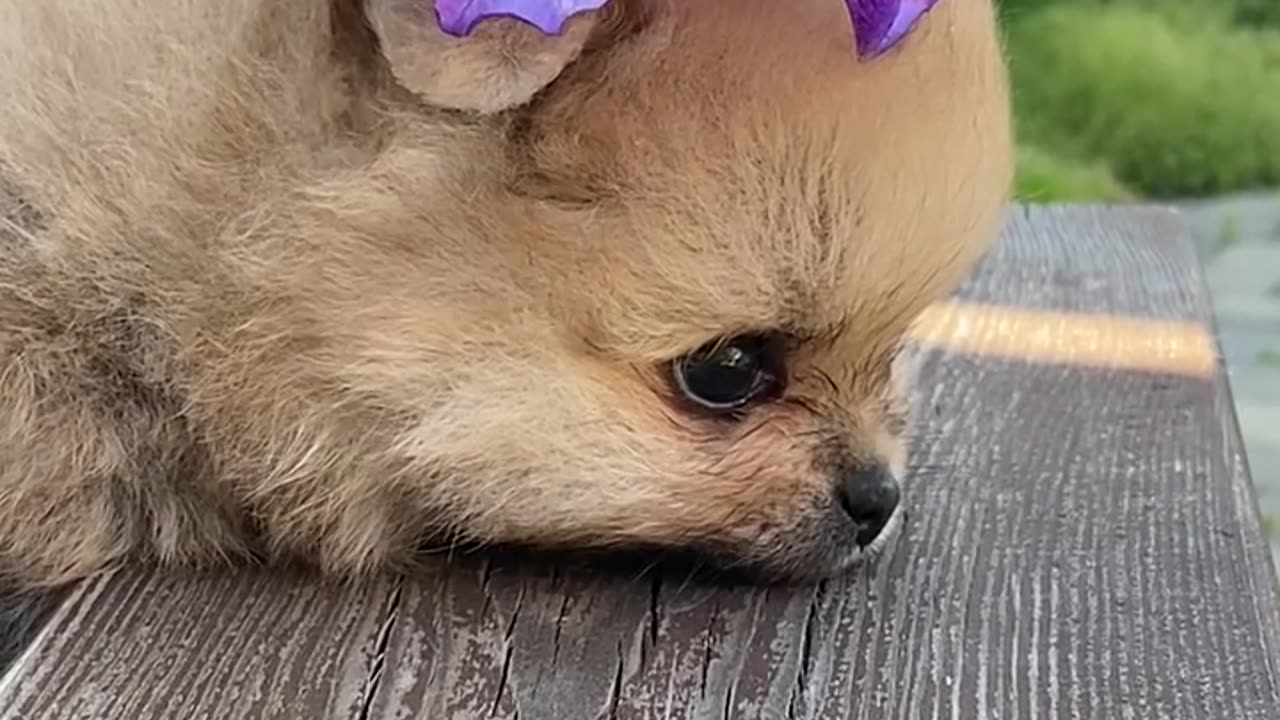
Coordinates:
(312, 279)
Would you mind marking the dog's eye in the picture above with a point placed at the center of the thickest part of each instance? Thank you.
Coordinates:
(728, 376)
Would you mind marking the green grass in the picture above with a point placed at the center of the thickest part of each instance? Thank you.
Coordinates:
(1268, 358)
(1271, 527)
(1258, 12)
(1148, 97)
(1043, 177)
(1229, 233)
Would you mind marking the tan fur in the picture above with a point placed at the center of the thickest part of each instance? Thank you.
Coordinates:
(499, 65)
(258, 295)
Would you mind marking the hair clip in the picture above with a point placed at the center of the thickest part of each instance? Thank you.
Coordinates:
(879, 25)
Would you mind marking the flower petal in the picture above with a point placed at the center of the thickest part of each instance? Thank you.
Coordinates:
(878, 24)
(460, 17)
(882, 24)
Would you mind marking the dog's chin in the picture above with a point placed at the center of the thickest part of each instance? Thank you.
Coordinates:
(826, 551)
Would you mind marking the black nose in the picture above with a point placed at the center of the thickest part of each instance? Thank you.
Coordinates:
(870, 494)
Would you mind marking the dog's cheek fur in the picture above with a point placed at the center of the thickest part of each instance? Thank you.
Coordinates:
(556, 453)
(97, 463)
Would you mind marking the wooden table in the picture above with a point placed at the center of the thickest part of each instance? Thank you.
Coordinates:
(1083, 543)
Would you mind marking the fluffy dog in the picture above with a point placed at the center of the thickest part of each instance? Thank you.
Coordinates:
(315, 280)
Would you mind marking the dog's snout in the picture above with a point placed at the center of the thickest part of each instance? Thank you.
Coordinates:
(870, 495)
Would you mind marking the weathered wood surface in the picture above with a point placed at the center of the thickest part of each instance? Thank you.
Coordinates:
(1083, 543)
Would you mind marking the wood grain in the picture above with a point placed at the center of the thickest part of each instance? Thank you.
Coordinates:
(251, 645)
(1083, 543)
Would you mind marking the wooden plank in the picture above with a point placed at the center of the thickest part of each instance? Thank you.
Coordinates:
(22, 614)
(1083, 543)
(1118, 261)
(251, 645)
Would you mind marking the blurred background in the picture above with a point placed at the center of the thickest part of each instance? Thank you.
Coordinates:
(1173, 102)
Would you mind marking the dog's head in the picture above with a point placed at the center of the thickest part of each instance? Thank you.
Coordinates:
(662, 266)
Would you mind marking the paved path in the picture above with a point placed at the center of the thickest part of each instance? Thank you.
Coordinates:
(1239, 239)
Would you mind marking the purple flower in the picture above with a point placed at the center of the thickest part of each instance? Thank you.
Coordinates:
(460, 17)
(882, 24)
(879, 24)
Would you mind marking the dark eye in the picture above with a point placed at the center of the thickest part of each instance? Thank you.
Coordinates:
(732, 374)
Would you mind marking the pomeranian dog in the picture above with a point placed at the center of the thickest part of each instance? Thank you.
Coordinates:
(316, 280)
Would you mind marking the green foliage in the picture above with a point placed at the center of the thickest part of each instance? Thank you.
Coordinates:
(1229, 233)
(1175, 100)
(1269, 358)
(1271, 527)
(1264, 13)
(1014, 9)
(1043, 177)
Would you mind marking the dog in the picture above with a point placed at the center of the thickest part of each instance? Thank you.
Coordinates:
(317, 280)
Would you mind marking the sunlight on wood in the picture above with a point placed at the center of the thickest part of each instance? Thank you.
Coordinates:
(1107, 341)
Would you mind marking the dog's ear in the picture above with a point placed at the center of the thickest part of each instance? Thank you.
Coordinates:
(502, 64)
